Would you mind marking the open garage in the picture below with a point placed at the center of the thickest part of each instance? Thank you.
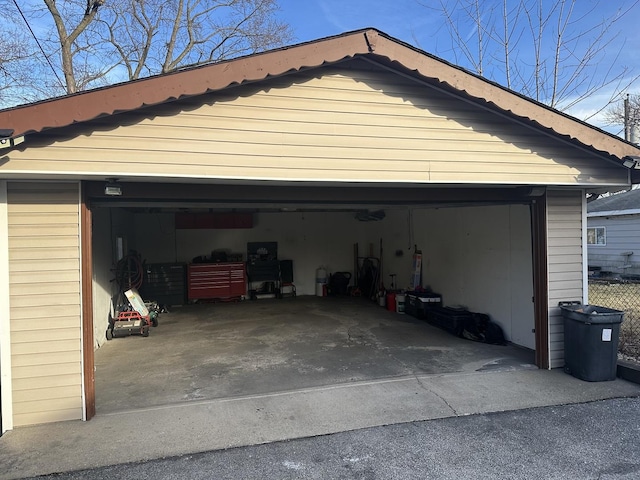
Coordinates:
(476, 255)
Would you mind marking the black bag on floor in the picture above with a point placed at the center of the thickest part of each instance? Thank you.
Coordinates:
(480, 328)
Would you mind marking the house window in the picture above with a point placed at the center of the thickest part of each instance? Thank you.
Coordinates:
(596, 236)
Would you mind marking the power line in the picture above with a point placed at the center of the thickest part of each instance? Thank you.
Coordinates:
(38, 43)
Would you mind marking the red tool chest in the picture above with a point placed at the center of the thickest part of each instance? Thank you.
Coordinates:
(225, 281)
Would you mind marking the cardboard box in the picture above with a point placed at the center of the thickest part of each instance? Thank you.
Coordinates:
(136, 302)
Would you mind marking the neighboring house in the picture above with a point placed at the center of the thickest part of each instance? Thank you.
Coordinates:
(613, 234)
(490, 184)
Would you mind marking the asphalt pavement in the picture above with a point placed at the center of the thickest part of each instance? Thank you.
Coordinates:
(596, 440)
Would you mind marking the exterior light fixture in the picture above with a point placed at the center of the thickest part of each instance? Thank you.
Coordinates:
(112, 188)
(631, 161)
(6, 141)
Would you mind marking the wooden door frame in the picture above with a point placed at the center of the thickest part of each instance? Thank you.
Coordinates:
(540, 280)
(86, 256)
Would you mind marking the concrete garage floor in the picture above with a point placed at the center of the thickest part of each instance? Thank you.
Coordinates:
(213, 351)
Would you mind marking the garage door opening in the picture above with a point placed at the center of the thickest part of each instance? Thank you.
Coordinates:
(478, 256)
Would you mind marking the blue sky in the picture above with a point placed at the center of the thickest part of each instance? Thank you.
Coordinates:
(411, 22)
(403, 19)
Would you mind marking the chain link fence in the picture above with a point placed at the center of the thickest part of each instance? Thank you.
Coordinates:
(621, 295)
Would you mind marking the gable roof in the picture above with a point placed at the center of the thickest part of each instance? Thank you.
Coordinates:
(625, 203)
(369, 44)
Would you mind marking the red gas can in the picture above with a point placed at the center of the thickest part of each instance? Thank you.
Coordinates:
(391, 302)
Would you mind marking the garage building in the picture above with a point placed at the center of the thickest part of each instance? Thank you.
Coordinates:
(354, 139)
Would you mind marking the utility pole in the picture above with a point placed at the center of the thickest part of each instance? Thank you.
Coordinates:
(627, 122)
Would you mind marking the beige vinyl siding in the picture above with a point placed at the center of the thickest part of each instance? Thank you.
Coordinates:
(564, 247)
(349, 125)
(44, 285)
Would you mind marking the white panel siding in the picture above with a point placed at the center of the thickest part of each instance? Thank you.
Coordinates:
(622, 236)
(566, 275)
(354, 125)
(44, 278)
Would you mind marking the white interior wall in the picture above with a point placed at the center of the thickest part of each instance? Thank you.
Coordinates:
(480, 257)
(311, 240)
(107, 225)
(521, 266)
(102, 254)
(397, 237)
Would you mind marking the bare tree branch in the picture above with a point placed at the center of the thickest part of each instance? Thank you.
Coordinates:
(67, 39)
(628, 117)
(560, 53)
(169, 34)
(96, 42)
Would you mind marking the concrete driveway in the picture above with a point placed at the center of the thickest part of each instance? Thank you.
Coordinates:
(595, 441)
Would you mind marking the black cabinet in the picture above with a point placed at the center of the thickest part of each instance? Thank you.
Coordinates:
(263, 268)
(165, 283)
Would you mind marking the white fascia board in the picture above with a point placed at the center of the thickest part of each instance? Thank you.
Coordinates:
(614, 213)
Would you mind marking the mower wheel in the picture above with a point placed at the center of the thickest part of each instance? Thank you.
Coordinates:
(109, 333)
(145, 331)
(154, 322)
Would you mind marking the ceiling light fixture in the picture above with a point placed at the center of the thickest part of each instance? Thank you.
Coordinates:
(112, 188)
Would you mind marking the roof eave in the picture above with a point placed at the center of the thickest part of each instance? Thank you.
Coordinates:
(455, 77)
(194, 81)
(128, 96)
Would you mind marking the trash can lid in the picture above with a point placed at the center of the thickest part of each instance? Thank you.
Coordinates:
(590, 313)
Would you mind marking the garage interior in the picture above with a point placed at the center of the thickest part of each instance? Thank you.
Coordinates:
(477, 253)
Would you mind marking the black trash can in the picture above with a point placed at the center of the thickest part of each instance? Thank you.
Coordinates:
(591, 341)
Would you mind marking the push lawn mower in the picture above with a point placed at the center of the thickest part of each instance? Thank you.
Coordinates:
(128, 323)
(134, 319)
(132, 316)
